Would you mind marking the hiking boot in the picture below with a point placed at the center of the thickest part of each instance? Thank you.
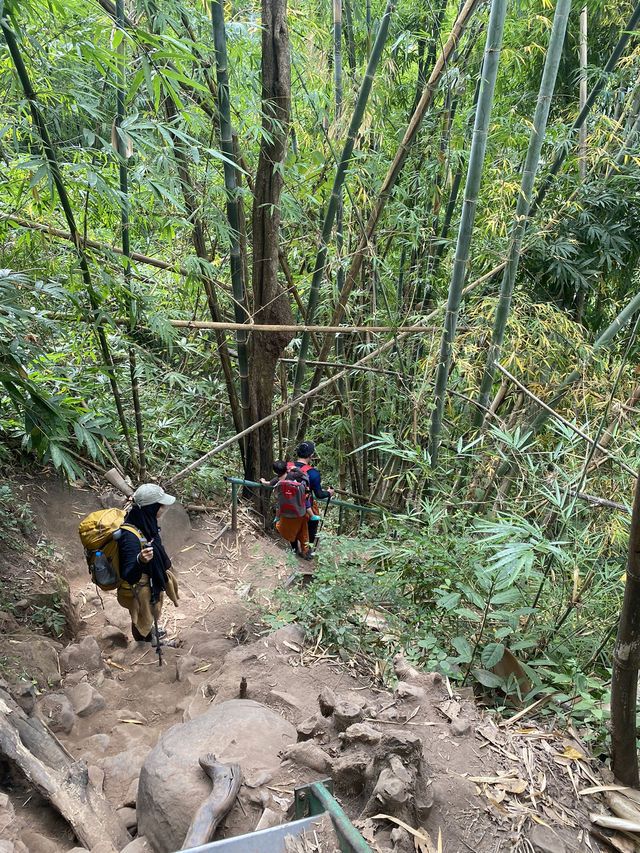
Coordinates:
(307, 556)
(154, 639)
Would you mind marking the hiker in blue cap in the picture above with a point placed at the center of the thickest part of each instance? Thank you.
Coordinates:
(305, 453)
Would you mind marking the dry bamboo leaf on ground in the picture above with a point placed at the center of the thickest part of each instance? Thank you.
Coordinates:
(600, 789)
(623, 806)
(508, 782)
(615, 823)
(319, 838)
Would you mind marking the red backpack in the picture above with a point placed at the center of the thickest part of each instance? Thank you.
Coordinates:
(290, 498)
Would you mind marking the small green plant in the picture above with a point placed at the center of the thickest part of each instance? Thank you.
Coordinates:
(50, 618)
(15, 516)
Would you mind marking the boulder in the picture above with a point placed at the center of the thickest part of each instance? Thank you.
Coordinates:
(172, 784)
(326, 701)
(138, 845)
(85, 699)
(84, 655)
(24, 694)
(121, 773)
(57, 712)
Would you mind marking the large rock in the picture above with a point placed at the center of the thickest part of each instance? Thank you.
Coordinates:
(85, 699)
(57, 712)
(84, 655)
(172, 784)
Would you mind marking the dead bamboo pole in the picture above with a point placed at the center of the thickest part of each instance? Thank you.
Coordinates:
(330, 381)
(100, 247)
(266, 327)
(564, 421)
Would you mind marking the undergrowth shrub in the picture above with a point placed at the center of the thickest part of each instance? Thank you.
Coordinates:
(462, 596)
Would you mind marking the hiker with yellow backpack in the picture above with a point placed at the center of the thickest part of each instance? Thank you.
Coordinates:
(124, 552)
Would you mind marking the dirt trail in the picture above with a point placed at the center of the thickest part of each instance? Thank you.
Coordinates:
(520, 780)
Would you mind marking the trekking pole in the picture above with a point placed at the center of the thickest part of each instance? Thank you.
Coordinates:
(321, 525)
(155, 622)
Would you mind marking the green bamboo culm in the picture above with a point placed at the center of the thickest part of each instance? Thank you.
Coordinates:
(125, 233)
(617, 52)
(54, 169)
(337, 114)
(602, 343)
(547, 86)
(334, 203)
(472, 187)
(393, 173)
(226, 145)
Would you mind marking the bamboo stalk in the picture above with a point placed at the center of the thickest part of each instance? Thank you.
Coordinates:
(52, 162)
(472, 187)
(226, 145)
(334, 203)
(626, 660)
(84, 243)
(389, 182)
(603, 77)
(547, 86)
(562, 420)
(288, 327)
(192, 207)
(125, 234)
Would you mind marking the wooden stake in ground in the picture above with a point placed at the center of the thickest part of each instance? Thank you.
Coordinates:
(626, 662)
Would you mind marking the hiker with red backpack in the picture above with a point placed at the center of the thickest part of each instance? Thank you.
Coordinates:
(305, 453)
(291, 487)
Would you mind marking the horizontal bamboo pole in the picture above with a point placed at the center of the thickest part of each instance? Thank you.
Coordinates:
(265, 327)
(94, 244)
(313, 391)
(564, 421)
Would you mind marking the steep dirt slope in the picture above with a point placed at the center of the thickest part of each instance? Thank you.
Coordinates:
(489, 788)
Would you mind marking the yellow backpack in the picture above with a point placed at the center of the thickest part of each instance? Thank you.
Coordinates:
(99, 533)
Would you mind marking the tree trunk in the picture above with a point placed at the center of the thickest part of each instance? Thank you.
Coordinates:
(39, 757)
(626, 661)
(270, 300)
